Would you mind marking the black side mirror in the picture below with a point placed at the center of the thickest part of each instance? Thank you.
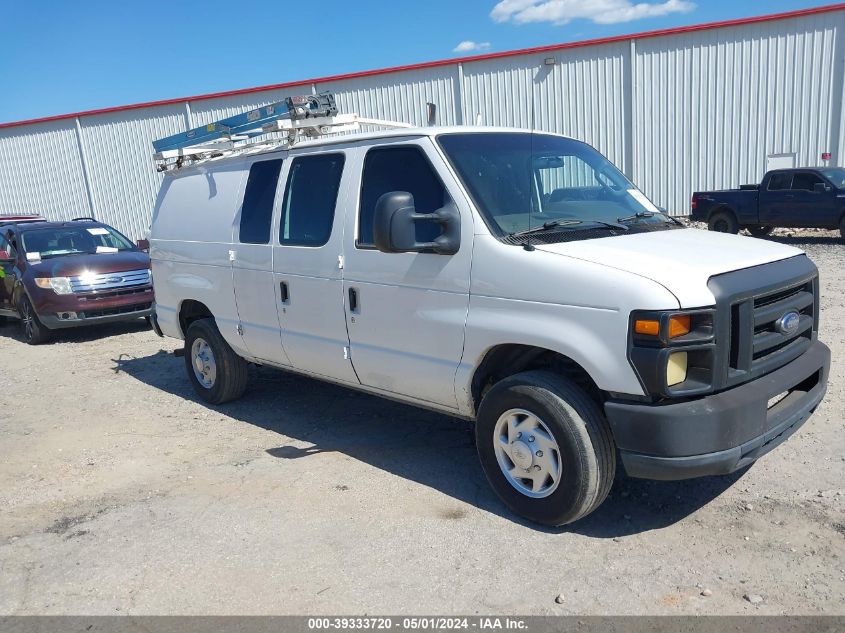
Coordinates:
(821, 187)
(143, 245)
(395, 226)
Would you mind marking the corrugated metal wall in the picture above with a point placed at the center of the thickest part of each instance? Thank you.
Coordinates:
(711, 106)
(41, 168)
(677, 113)
(124, 182)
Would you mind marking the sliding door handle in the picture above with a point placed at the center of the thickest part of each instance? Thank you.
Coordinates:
(283, 289)
(353, 300)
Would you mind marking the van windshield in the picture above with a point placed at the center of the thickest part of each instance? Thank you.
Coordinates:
(73, 240)
(521, 182)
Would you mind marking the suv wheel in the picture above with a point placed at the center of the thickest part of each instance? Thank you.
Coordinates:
(842, 228)
(217, 373)
(545, 447)
(32, 329)
(723, 222)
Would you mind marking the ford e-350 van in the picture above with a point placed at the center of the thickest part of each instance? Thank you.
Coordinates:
(516, 279)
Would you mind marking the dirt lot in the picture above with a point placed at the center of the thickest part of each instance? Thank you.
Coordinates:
(121, 493)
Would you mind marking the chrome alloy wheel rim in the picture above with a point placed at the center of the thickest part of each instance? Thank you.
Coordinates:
(202, 360)
(28, 320)
(527, 453)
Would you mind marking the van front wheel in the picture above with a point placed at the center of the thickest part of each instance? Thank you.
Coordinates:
(545, 447)
(217, 373)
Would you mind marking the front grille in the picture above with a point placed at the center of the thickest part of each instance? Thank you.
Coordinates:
(93, 314)
(104, 295)
(767, 342)
(749, 305)
(110, 281)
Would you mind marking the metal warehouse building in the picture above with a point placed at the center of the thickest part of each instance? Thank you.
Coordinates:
(700, 107)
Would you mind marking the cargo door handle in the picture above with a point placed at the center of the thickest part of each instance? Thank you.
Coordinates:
(283, 288)
(353, 300)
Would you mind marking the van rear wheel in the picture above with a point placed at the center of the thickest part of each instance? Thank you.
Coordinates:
(217, 373)
(723, 222)
(545, 447)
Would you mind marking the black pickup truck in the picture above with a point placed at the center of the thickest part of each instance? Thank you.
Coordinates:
(804, 197)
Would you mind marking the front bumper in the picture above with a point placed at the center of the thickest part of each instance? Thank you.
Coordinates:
(723, 432)
(53, 322)
(72, 310)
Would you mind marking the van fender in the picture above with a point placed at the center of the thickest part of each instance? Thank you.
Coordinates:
(594, 339)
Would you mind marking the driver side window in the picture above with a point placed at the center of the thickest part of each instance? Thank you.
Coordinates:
(406, 168)
(805, 181)
(7, 251)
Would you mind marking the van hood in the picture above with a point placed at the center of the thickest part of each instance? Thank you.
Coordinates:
(681, 260)
(71, 265)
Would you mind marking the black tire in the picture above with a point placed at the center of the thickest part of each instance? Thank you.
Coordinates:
(723, 222)
(230, 370)
(33, 331)
(842, 227)
(760, 231)
(586, 449)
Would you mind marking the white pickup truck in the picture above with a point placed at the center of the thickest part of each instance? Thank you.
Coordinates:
(513, 278)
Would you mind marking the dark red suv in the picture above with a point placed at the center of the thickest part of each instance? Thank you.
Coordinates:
(65, 274)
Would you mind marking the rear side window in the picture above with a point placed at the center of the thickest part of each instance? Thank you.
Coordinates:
(257, 209)
(399, 169)
(805, 181)
(780, 181)
(310, 199)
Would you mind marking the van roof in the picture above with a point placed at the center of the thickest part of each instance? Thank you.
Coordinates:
(329, 140)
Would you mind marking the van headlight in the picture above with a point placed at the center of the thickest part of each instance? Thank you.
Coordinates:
(673, 352)
(59, 285)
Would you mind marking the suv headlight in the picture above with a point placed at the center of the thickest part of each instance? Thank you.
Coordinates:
(672, 351)
(59, 285)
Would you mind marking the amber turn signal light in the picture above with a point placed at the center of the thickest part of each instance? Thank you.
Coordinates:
(646, 326)
(679, 325)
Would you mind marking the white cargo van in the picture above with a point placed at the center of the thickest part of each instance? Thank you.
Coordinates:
(513, 278)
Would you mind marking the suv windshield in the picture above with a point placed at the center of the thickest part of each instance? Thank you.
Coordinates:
(521, 182)
(836, 175)
(73, 240)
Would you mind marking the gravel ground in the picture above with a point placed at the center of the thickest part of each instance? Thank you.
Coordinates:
(123, 494)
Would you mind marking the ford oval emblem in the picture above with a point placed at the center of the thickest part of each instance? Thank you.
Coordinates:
(114, 280)
(788, 323)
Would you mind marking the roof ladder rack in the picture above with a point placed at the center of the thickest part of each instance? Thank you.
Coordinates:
(308, 115)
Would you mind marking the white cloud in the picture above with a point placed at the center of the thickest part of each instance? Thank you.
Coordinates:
(599, 11)
(467, 46)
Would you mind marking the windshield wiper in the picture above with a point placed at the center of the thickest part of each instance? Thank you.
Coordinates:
(637, 216)
(566, 223)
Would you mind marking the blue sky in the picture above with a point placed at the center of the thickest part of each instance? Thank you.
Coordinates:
(60, 56)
